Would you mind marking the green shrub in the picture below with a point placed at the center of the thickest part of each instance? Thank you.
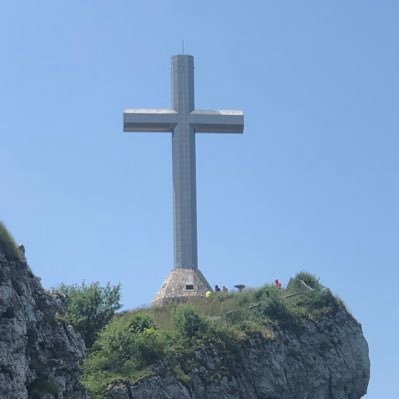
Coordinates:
(8, 245)
(141, 322)
(323, 299)
(90, 307)
(245, 298)
(265, 292)
(278, 311)
(317, 303)
(189, 323)
(308, 278)
(124, 350)
(150, 346)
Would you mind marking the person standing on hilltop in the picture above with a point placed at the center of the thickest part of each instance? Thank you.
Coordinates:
(277, 284)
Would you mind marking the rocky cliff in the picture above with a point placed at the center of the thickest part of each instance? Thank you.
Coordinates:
(326, 359)
(39, 353)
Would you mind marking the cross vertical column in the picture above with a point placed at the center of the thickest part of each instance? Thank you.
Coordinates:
(185, 280)
(184, 171)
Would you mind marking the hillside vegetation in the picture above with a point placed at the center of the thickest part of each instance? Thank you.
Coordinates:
(133, 343)
(89, 307)
(8, 245)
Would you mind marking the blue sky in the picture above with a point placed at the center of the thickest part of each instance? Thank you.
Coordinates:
(311, 185)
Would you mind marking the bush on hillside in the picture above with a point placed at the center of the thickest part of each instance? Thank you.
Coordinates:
(264, 293)
(8, 245)
(316, 303)
(308, 278)
(278, 311)
(189, 323)
(90, 307)
(307, 303)
(124, 349)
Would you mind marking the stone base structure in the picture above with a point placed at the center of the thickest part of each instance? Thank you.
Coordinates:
(181, 285)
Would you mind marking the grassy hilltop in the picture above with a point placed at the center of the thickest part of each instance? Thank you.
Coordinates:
(134, 342)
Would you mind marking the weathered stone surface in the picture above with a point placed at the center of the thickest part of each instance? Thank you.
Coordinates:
(182, 285)
(39, 353)
(328, 359)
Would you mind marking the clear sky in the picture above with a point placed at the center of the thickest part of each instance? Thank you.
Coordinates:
(312, 184)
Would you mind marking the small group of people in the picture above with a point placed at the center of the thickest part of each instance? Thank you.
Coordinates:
(224, 289)
(276, 284)
(217, 290)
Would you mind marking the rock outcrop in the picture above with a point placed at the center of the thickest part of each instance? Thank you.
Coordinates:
(39, 353)
(327, 359)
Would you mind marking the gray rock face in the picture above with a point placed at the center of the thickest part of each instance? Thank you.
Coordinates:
(328, 359)
(39, 353)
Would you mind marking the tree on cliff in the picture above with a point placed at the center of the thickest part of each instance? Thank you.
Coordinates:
(90, 307)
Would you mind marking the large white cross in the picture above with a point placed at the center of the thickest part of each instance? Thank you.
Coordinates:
(183, 121)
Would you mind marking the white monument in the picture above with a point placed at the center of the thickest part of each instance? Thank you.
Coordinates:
(183, 121)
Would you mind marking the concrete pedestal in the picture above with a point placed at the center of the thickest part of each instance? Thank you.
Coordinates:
(182, 285)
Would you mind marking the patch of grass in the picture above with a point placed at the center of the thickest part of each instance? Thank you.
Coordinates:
(313, 305)
(249, 327)
(8, 246)
(280, 312)
(308, 278)
(180, 374)
(310, 304)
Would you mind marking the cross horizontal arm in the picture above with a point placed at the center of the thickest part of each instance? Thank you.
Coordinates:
(149, 120)
(223, 121)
